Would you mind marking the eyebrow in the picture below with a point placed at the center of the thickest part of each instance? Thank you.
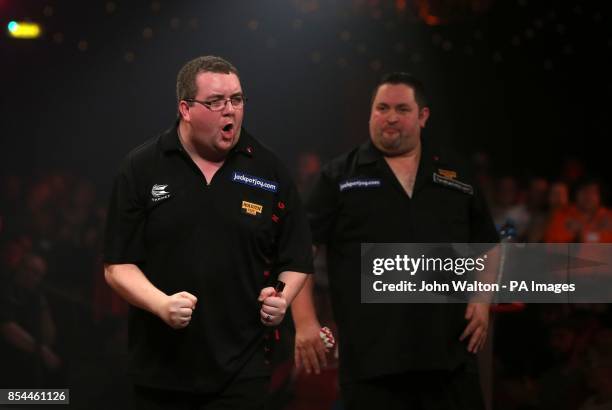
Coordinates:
(218, 95)
(400, 105)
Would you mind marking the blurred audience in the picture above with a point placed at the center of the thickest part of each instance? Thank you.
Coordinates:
(508, 207)
(308, 167)
(51, 234)
(27, 329)
(588, 221)
(599, 372)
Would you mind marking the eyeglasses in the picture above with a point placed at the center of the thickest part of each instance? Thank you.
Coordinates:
(236, 101)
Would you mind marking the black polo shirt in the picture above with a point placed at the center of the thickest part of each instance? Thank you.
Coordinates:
(223, 242)
(358, 199)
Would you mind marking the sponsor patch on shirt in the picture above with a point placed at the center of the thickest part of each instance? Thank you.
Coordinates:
(453, 183)
(254, 182)
(447, 173)
(251, 208)
(359, 183)
(159, 192)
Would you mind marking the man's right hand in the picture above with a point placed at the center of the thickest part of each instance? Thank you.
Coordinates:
(176, 309)
(309, 348)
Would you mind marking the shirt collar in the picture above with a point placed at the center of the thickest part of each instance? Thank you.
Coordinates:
(368, 153)
(245, 144)
(170, 140)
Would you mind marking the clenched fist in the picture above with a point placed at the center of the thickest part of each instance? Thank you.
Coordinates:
(273, 306)
(176, 309)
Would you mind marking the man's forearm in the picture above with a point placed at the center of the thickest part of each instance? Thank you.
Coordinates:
(293, 284)
(132, 285)
(302, 308)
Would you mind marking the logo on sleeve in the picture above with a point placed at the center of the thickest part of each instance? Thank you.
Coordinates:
(254, 182)
(359, 183)
(158, 192)
(251, 208)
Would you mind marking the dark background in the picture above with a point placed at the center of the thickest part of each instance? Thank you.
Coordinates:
(526, 81)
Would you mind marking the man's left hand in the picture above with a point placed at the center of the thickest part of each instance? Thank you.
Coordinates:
(478, 325)
(273, 307)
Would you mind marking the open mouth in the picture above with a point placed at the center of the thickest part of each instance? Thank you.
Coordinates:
(228, 127)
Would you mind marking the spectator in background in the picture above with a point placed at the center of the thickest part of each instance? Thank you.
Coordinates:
(537, 195)
(27, 330)
(76, 213)
(588, 221)
(41, 217)
(481, 163)
(558, 196)
(536, 206)
(11, 191)
(599, 373)
(508, 208)
(563, 385)
(600, 380)
(308, 167)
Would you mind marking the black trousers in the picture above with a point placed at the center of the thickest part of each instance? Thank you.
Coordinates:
(419, 390)
(247, 394)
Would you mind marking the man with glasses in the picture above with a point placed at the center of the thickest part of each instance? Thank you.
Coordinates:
(202, 222)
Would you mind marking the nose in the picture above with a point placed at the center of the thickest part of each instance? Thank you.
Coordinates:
(228, 108)
(392, 118)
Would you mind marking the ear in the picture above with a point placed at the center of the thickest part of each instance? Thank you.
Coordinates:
(423, 116)
(183, 109)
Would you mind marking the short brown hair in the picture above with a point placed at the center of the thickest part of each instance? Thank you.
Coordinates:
(186, 79)
(407, 79)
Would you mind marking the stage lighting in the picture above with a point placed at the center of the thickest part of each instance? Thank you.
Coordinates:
(25, 30)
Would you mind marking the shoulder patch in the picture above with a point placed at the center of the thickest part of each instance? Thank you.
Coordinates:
(447, 173)
(453, 183)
